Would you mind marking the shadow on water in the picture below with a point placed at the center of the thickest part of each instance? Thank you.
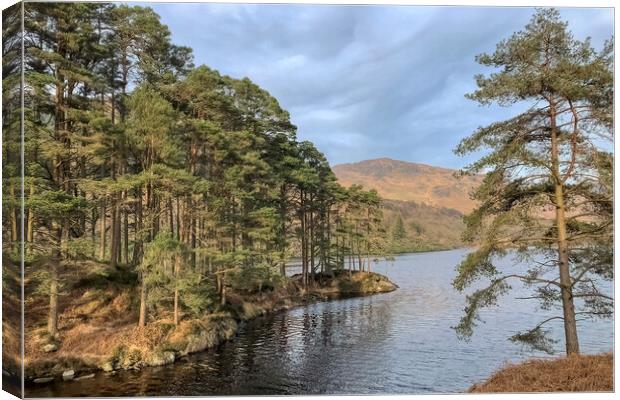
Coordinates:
(398, 342)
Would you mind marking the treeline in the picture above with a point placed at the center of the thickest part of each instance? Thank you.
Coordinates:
(136, 158)
(413, 227)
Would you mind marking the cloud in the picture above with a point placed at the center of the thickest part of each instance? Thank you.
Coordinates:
(365, 81)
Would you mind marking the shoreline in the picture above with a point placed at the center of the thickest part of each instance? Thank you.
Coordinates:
(172, 343)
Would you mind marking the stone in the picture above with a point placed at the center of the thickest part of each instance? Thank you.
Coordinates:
(167, 357)
(107, 367)
(68, 375)
(83, 377)
(50, 347)
(57, 369)
(46, 379)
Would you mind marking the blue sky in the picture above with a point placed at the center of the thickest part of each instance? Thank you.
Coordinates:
(364, 82)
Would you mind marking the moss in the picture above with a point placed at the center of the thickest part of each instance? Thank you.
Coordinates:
(58, 366)
(251, 310)
(160, 357)
(126, 357)
(362, 283)
(199, 334)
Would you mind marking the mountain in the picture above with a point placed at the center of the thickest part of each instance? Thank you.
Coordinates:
(429, 201)
(405, 181)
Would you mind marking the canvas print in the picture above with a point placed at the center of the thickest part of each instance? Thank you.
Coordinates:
(204, 199)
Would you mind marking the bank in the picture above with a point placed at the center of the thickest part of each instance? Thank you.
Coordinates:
(99, 333)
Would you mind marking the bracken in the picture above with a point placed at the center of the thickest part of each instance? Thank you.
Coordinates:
(584, 373)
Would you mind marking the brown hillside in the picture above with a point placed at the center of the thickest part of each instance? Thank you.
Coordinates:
(420, 183)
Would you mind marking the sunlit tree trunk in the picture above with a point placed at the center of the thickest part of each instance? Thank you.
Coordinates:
(568, 307)
(30, 228)
(52, 322)
(142, 318)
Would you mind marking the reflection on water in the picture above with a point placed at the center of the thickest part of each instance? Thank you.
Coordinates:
(399, 342)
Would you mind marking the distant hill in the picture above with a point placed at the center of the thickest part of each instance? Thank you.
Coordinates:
(429, 201)
(405, 181)
(426, 227)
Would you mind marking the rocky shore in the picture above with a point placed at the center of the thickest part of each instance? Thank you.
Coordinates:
(89, 348)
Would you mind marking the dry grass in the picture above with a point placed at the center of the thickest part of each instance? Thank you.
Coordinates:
(585, 373)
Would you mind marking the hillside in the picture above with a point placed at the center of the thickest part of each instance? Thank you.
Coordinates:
(420, 183)
(424, 228)
(429, 201)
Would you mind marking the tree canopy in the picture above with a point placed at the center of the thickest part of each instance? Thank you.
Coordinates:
(136, 158)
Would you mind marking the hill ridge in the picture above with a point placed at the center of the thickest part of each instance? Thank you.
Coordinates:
(408, 181)
(393, 160)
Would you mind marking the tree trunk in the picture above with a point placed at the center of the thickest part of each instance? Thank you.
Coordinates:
(368, 241)
(192, 238)
(103, 231)
(222, 292)
(178, 219)
(177, 272)
(52, 322)
(114, 238)
(282, 238)
(14, 213)
(30, 230)
(142, 319)
(171, 217)
(137, 246)
(176, 306)
(115, 225)
(570, 323)
(304, 261)
(312, 244)
(125, 233)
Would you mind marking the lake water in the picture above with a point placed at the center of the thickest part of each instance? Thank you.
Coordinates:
(399, 342)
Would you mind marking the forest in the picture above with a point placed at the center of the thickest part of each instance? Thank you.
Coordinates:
(139, 160)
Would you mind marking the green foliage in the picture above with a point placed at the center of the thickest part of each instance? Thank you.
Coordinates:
(137, 158)
(399, 232)
(537, 339)
(80, 248)
(57, 204)
(254, 280)
(550, 157)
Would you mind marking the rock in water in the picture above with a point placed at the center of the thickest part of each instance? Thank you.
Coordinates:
(68, 375)
(44, 380)
(167, 357)
(80, 378)
(107, 367)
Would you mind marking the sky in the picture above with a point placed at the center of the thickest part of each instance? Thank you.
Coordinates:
(364, 82)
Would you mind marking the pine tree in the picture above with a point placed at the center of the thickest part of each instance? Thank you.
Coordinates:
(546, 158)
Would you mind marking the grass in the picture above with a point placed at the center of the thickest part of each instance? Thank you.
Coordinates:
(583, 373)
